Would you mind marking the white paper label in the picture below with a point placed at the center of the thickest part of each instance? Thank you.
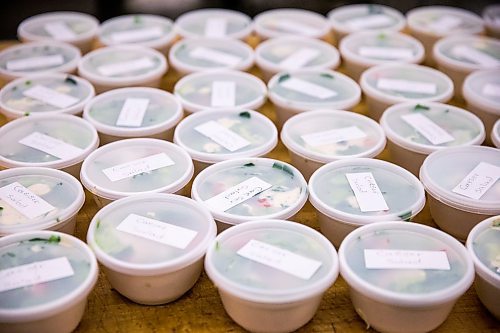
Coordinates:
(24, 201)
(478, 181)
(35, 273)
(215, 27)
(407, 86)
(223, 94)
(51, 146)
(406, 259)
(223, 136)
(280, 259)
(157, 231)
(132, 112)
(295, 27)
(299, 58)
(474, 55)
(429, 129)
(50, 96)
(445, 23)
(35, 62)
(367, 192)
(125, 66)
(215, 56)
(142, 165)
(392, 53)
(59, 30)
(333, 136)
(308, 88)
(237, 194)
(137, 35)
(491, 89)
(367, 22)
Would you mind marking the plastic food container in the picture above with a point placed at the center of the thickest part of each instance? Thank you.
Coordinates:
(204, 54)
(57, 198)
(51, 93)
(483, 244)
(491, 17)
(415, 130)
(462, 187)
(307, 89)
(285, 22)
(53, 141)
(36, 58)
(53, 300)
(404, 277)
(495, 134)
(136, 166)
(133, 113)
(220, 90)
(351, 193)
(318, 137)
(249, 189)
(255, 267)
(290, 53)
(220, 135)
(362, 50)
(152, 246)
(214, 23)
(123, 66)
(386, 85)
(78, 29)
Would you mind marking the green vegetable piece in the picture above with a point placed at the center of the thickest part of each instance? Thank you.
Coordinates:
(98, 224)
(1, 208)
(328, 76)
(26, 114)
(283, 167)
(70, 80)
(283, 78)
(27, 83)
(420, 107)
(137, 19)
(382, 36)
(406, 216)
(52, 239)
(249, 165)
(496, 223)
(10, 254)
(217, 246)
(245, 114)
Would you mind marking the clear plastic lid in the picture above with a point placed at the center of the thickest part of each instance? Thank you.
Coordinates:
(151, 234)
(296, 22)
(221, 135)
(336, 190)
(457, 176)
(242, 261)
(329, 135)
(495, 134)
(132, 112)
(482, 88)
(136, 166)
(220, 90)
(427, 127)
(304, 90)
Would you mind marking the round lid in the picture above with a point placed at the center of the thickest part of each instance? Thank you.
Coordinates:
(297, 22)
(465, 178)
(214, 23)
(37, 198)
(67, 273)
(241, 190)
(482, 88)
(136, 166)
(405, 264)
(209, 90)
(305, 89)
(133, 112)
(491, 17)
(202, 54)
(338, 189)
(151, 234)
(219, 135)
(259, 261)
(495, 134)
(329, 135)
(427, 127)
(54, 141)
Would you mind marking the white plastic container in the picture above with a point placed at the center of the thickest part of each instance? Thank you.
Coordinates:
(136, 166)
(152, 246)
(204, 54)
(462, 187)
(50, 93)
(483, 244)
(220, 135)
(404, 277)
(123, 66)
(289, 53)
(55, 300)
(362, 50)
(318, 137)
(59, 197)
(495, 134)
(220, 90)
(380, 191)
(78, 29)
(135, 112)
(491, 17)
(271, 274)
(37, 58)
(53, 141)
(249, 189)
(307, 89)
(415, 130)
(386, 85)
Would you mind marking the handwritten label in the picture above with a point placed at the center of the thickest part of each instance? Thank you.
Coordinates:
(478, 181)
(35, 62)
(24, 201)
(136, 35)
(367, 192)
(429, 129)
(299, 59)
(392, 53)
(59, 30)
(368, 22)
(406, 259)
(407, 86)
(51, 146)
(215, 27)
(50, 97)
(135, 167)
(223, 136)
(333, 136)
(295, 27)
(308, 88)
(218, 57)
(475, 56)
(445, 23)
(223, 94)
(125, 66)
(132, 112)
(491, 89)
